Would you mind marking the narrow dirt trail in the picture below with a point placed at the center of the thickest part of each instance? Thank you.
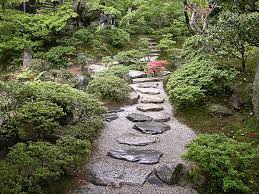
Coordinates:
(130, 146)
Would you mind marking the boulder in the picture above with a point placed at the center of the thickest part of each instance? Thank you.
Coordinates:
(135, 139)
(152, 127)
(136, 74)
(81, 82)
(95, 68)
(133, 98)
(111, 117)
(220, 110)
(171, 173)
(135, 117)
(235, 101)
(139, 156)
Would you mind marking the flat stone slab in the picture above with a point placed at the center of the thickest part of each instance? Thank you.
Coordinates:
(136, 74)
(140, 156)
(161, 117)
(149, 107)
(135, 139)
(152, 99)
(106, 174)
(147, 79)
(135, 117)
(111, 117)
(151, 91)
(148, 85)
(152, 127)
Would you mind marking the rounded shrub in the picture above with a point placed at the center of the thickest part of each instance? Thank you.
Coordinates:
(116, 70)
(228, 166)
(109, 88)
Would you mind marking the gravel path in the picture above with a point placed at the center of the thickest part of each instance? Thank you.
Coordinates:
(123, 177)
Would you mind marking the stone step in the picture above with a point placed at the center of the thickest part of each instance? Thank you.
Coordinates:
(150, 91)
(135, 117)
(111, 117)
(137, 74)
(139, 156)
(152, 127)
(152, 99)
(149, 107)
(135, 139)
(148, 79)
(104, 173)
(148, 85)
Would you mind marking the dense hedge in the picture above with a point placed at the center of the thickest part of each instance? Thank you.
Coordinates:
(197, 79)
(228, 166)
(109, 87)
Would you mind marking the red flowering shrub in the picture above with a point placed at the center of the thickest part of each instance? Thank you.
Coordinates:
(155, 67)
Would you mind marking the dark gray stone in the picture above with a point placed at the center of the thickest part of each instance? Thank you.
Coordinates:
(136, 74)
(107, 174)
(149, 107)
(170, 173)
(135, 139)
(152, 127)
(135, 117)
(152, 99)
(154, 180)
(235, 101)
(133, 98)
(220, 110)
(111, 117)
(148, 79)
(163, 117)
(150, 91)
(148, 85)
(81, 82)
(115, 110)
(140, 156)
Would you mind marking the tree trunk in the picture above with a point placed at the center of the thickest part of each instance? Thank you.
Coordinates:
(24, 6)
(187, 19)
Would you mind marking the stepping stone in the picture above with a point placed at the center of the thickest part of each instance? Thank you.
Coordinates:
(111, 117)
(136, 140)
(149, 107)
(135, 117)
(136, 74)
(161, 117)
(115, 110)
(151, 91)
(152, 127)
(140, 156)
(146, 79)
(113, 175)
(148, 85)
(153, 99)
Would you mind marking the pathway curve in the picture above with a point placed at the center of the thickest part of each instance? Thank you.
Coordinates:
(129, 148)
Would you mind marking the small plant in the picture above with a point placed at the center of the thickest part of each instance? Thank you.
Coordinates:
(109, 88)
(228, 166)
(154, 67)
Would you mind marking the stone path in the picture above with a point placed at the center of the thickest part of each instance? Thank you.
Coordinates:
(130, 146)
(141, 145)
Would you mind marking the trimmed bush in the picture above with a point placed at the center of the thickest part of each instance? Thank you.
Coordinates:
(36, 120)
(116, 70)
(228, 166)
(29, 168)
(109, 88)
(197, 79)
(129, 57)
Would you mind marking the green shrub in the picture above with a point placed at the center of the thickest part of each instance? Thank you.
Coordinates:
(129, 57)
(116, 37)
(116, 70)
(71, 100)
(197, 79)
(36, 120)
(109, 88)
(29, 168)
(57, 56)
(85, 36)
(228, 166)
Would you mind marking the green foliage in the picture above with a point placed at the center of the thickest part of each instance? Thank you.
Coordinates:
(85, 35)
(36, 120)
(109, 88)
(166, 44)
(196, 79)
(56, 56)
(227, 165)
(129, 57)
(116, 70)
(29, 168)
(116, 37)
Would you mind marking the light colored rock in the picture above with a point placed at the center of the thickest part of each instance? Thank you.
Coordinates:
(152, 99)
(133, 98)
(96, 68)
(147, 79)
(149, 107)
(148, 85)
(150, 91)
(135, 139)
(136, 74)
(220, 110)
